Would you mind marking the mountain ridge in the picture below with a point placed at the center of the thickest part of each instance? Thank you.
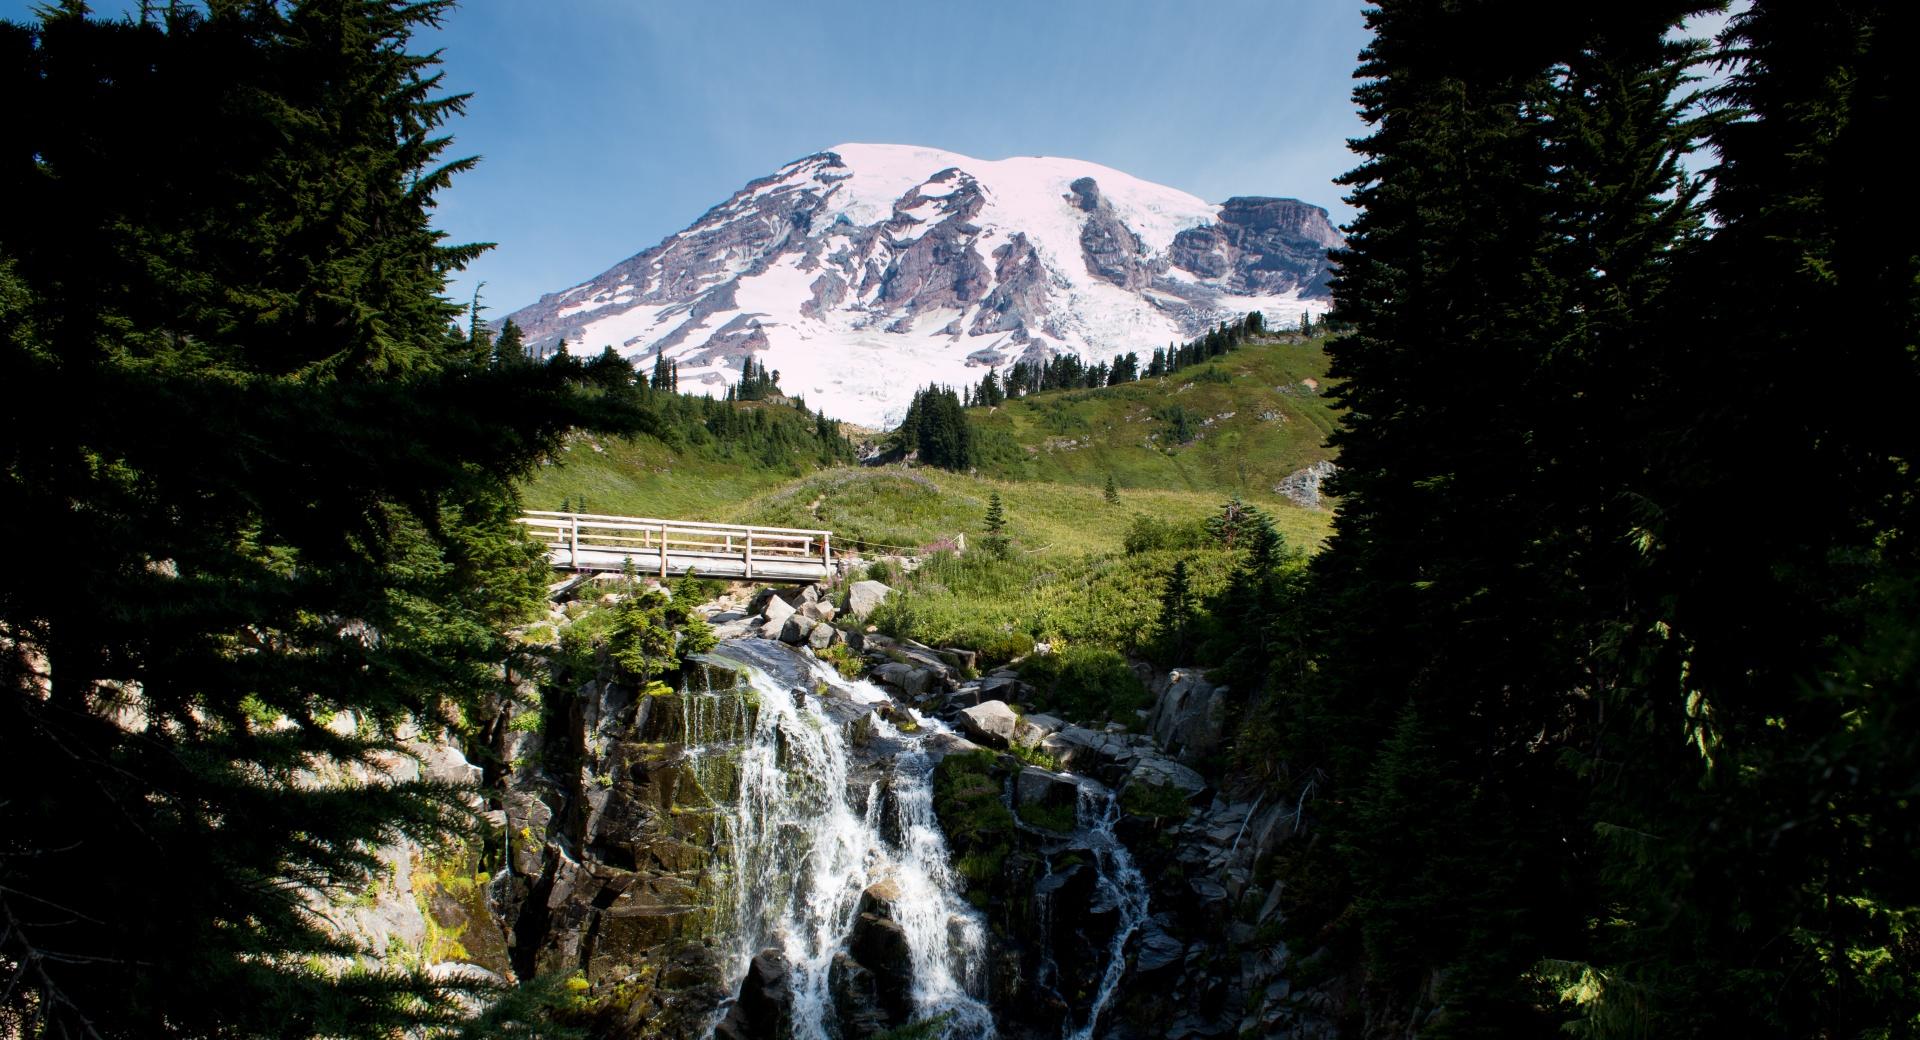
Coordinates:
(864, 270)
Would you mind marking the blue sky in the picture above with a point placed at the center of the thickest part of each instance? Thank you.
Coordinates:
(606, 125)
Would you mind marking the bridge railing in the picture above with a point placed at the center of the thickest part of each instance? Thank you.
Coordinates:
(595, 541)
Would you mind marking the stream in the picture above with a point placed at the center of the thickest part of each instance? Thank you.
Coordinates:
(832, 810)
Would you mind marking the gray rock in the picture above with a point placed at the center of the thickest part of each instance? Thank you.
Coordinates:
(1035, 728)
(1189, 714)
(864, 596)
(1040, 788)
(1303, 486)
(1158, 950)
(1165, 772)
(777, 609)
(797, 629)
(992, 723)
(819, 610)
(908, 679)
(822, 636)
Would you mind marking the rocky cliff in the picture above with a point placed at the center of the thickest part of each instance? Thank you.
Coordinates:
(864, 271)
(770, 851)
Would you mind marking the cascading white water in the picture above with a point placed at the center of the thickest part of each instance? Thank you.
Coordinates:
(800, 848)
(1121, 886)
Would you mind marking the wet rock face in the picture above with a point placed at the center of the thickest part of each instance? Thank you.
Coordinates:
(612, 838)
(764, 1010)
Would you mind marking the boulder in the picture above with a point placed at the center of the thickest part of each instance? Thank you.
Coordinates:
(1158, 952)
(797, 629)
(822, 636)
(992, 723)
(765, 1008)
(1039, 787)
(758, 603)
(801, 596)
(856, 1000)
(864, 596)
(880, 945)
(819, 610)
(777, 609)
(1165, 772)
(911, 680)
(1035, 728)
(1189, 715)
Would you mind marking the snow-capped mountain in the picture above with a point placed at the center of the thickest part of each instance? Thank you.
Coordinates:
(867, 270)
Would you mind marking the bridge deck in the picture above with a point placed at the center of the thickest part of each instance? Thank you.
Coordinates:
(668, 548)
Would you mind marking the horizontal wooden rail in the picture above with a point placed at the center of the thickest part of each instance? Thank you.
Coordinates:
(599, 542)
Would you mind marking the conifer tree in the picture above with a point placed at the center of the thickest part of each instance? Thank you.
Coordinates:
(287, 501)
(1175, 625)
(1519, 205)
(1112, 493)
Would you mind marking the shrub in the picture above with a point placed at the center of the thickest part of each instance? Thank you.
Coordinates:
(844, 660)
(994, 646)
(1147, 534)
(1154, 801)
(1086, 683)
(966, 797)
(1051, 817)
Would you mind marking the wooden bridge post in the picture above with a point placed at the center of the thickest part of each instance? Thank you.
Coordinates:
(826, 553)
(749, 554)
(663, 552)
(573, 551)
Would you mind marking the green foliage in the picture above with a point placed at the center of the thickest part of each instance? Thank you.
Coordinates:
(844, 660)
(1174, 626)
(285, 498)
(1034, 755)
(1182, 425)
(999, 606)
(937, 428)
(927, 1028)
(1237, 524)
(996, 542)
(1147, 534)
(966, 796)
(996, 646)
(650, 633)
(1154, 802)
(1060, 818)
(1602, 750)
(1088, 683)
(1268, 400)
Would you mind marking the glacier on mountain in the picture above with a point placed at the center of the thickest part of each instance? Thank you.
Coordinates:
(865, 271)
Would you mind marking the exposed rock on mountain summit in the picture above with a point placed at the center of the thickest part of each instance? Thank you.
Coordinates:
(864, 271)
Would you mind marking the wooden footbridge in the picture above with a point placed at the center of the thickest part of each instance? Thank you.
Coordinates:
(668, 548)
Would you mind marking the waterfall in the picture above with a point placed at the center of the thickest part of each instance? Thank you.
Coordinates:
(809, 832)
(1121, 886)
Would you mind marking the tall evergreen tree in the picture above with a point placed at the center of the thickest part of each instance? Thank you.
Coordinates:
(285, 501)
(1519, 203)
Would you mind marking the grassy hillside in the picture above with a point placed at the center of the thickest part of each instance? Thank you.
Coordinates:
(894, 505)
(1256, 414)
(1259, 413)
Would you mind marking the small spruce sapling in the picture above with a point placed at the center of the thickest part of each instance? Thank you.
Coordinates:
(996, 525)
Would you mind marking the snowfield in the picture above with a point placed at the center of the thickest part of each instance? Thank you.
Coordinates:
(753, 262)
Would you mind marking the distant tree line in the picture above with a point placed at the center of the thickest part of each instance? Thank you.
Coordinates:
(936, 427)
(1070, 372)
(778, 435)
